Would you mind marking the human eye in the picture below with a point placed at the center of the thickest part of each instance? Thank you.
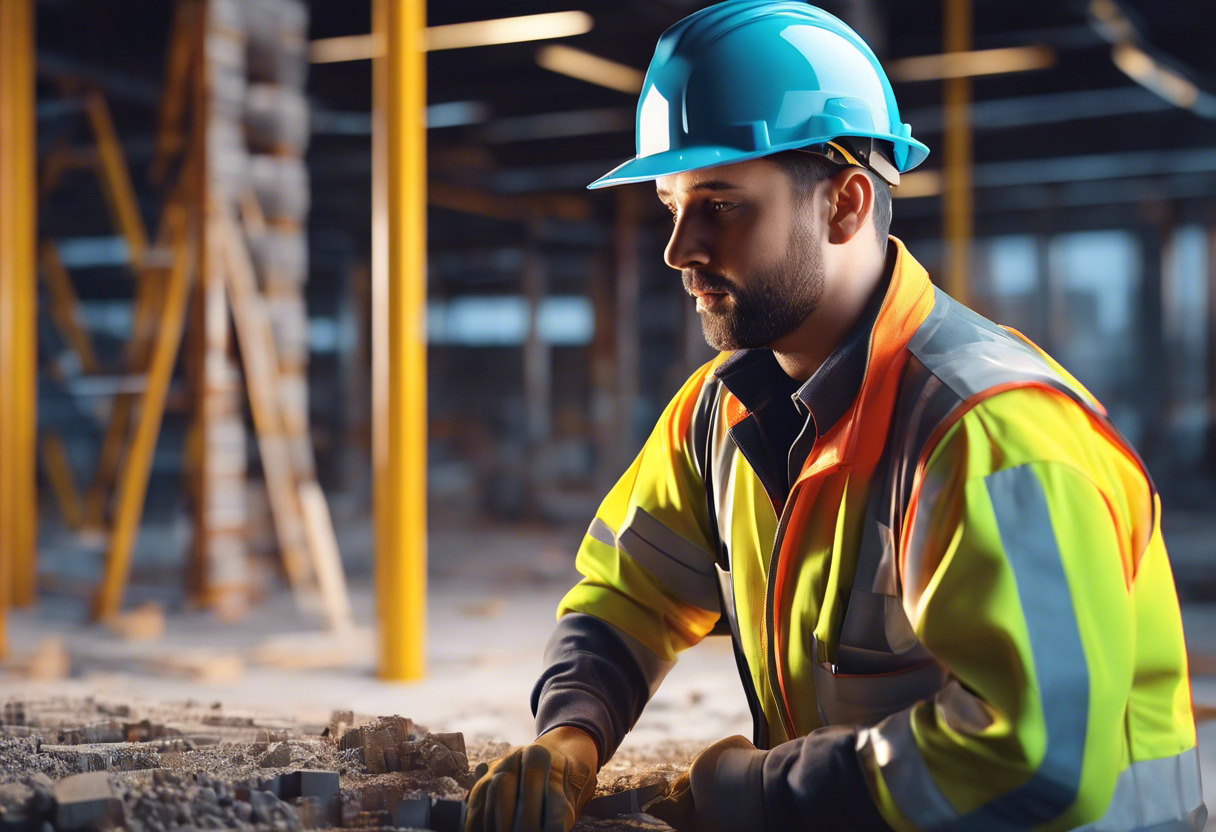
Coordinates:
(719, 206)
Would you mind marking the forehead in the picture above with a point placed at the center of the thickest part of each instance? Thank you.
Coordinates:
(754, 175)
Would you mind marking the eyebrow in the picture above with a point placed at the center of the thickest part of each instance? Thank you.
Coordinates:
(711, 185)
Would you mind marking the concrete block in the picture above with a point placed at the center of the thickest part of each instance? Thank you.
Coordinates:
(380, 743)
(274, 784)
(322, 786)
(448, 815)
(312, 812)
(412, 813)
(454, 741)
(87, 801)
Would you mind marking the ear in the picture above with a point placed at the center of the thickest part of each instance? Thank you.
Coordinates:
(851, 199)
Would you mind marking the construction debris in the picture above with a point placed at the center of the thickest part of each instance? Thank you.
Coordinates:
(87, 801)
(77, 765)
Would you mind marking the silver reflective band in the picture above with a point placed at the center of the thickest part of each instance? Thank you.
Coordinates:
(685, 569)
(1024, 523)
(1162, 794)
(600, 531)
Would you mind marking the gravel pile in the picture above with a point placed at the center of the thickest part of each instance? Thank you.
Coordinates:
(72, 766)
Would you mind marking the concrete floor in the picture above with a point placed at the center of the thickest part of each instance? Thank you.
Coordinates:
(492, 597)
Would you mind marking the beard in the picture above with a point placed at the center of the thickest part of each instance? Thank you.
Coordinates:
(775, 301)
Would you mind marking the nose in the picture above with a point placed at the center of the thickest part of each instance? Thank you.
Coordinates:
(686, 247)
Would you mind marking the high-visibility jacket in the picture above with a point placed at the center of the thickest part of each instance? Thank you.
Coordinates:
(957, 611)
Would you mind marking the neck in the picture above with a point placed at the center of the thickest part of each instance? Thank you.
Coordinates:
(847, 290)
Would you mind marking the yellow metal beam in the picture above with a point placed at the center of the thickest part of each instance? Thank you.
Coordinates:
(18, 299)
(58, 470)
(399, 337)
(116, 180)
(958, 219)
(64, 304)
(133, 479)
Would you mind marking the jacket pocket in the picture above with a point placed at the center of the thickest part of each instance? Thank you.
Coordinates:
(880, 668)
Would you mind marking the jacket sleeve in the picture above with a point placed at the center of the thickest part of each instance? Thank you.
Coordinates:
(649, 587)
(1017, 573)
(1017, 568)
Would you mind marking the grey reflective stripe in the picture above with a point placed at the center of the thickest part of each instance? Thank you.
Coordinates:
(970, 354)
(891, 746)
(1156, 794)
(600, 531)
(1024, 524)
(726, 588)
(685, 569)
(653, 667)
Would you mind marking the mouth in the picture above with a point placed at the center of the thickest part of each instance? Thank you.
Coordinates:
(709, 291)
(708, 300)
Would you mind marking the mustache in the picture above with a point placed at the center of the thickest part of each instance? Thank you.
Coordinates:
(700, 281)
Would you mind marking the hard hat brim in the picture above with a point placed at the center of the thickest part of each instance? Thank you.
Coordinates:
(681, 160)
(646, 168)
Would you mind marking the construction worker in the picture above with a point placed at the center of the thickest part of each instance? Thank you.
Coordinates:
(941, 565)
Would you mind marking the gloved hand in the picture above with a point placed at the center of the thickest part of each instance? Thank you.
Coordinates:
(720, 792)
(541, 787)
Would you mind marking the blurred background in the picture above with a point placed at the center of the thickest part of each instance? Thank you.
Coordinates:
(1069, 194)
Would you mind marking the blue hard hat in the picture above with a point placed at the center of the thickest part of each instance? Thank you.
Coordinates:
(746, 78)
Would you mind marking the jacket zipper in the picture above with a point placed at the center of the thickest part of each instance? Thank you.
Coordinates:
(768, 647)
(770, 613)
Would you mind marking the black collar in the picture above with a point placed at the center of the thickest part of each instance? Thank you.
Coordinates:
(755, 378)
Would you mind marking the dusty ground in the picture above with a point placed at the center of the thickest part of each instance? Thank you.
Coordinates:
(200, 766)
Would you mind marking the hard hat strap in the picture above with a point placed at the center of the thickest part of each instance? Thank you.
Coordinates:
(858, 151)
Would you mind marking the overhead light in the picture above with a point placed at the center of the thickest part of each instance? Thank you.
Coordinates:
(918, 183)
(460, 35)
(345, 48)
(1110, 21)
(1141, 68)
(508, 30)
(970, 64)
(587, 67)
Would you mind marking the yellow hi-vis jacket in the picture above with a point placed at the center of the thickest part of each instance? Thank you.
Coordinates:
(966, 568)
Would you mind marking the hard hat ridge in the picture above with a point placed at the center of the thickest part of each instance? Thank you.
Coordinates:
(746, 78)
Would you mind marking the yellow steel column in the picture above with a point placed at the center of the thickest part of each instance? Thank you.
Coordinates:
(399, 336)
(18, 298)
(958, 218)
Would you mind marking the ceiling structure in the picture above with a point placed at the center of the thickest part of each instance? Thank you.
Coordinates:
(1079, 141)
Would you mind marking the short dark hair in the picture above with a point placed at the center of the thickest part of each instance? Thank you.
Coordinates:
(806, 170)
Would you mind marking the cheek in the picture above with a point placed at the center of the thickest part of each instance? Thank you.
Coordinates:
(772, 237)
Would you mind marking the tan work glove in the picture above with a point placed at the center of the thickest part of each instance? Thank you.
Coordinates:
(720, 792)
(541, 787)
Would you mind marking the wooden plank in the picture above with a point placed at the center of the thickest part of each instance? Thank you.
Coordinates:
(261, 379)
(182, 53)
(327, 560)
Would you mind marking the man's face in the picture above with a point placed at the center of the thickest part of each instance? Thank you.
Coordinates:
(744, 244)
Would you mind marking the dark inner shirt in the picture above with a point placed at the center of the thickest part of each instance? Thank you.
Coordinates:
(787, 417)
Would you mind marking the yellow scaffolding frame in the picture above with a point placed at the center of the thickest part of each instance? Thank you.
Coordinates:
(399, 337)
(18, 309)
(958, 210)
